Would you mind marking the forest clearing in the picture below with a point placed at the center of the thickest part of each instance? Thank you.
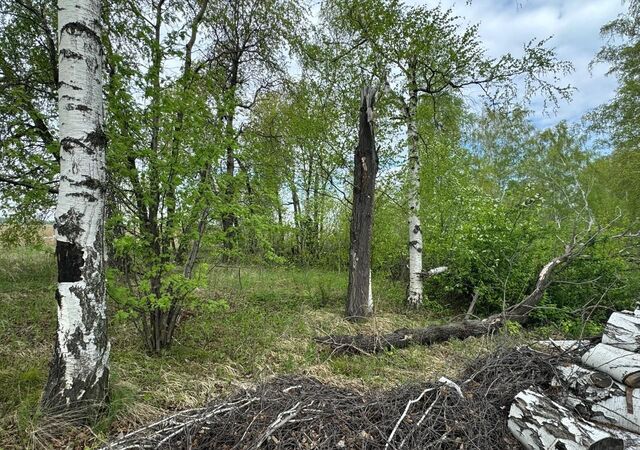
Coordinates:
(267, 330)
(247, 224)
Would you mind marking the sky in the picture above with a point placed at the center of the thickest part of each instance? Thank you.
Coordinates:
(505, 25)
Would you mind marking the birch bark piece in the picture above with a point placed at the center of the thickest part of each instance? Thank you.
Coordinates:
(623, 331)
(539, 423)
(597, 396)
(565, 345)
(622, 365)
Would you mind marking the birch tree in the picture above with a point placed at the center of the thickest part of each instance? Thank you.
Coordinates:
(79, 370)
(175, 149)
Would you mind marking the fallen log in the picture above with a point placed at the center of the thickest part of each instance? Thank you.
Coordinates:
(623, 331)
(621, 365)
(539, 423)
(405, 337)
(596, 396)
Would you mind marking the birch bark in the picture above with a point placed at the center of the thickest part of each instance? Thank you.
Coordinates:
(623, 331)
(597, 397)
(620, 364)
(79, 370)
(541, 424)
(414, 294)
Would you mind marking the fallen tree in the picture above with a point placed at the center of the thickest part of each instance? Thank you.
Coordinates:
(404, 337)
(621, 365)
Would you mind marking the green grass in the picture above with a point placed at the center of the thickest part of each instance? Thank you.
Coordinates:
(267, 329)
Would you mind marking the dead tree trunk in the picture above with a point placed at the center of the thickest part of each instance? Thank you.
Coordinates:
(359, 295)
(79, 371)
(538, 423)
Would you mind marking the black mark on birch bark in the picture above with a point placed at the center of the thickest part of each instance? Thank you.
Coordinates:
(77, 28)
(70, 54)
(75, 341)
(68, 225)
(58, 299)
(72, 86)
(97, 138)
(69, 143)
(89, 183)
(70, 262)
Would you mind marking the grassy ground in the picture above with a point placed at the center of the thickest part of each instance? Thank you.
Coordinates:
(267, 329)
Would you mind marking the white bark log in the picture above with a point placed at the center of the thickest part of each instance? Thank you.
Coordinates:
(622, 365)
(623, 331)
(415, 291)
(565, 345)
(541, 424)
(79, 370)
(597, 396)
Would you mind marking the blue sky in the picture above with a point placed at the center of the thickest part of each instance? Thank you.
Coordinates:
(505, 25)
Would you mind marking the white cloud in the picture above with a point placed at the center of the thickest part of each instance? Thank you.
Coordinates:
(505, 25)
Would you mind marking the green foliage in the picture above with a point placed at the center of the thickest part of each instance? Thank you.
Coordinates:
(228, 155)
(28, 130)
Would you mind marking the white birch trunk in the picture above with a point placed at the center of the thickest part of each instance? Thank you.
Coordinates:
(538, 423)
(621, 365)
(598, 397)
(79, 370)
(623, 331)
(414, 295)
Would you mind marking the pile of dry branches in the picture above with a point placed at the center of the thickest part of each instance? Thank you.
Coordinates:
(301, 412)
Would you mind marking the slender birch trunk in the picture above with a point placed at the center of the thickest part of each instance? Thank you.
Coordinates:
(79, 371)
(414, 294)
(359, 296)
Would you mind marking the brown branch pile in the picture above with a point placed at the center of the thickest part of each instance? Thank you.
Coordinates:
(303, 413)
